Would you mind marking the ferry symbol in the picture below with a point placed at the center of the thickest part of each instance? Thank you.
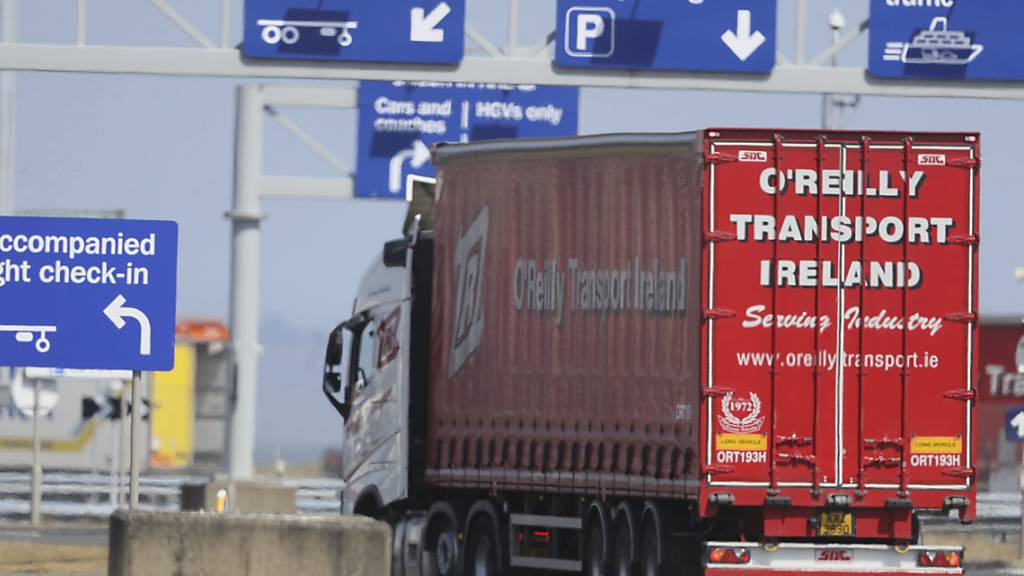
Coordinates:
(936, 45)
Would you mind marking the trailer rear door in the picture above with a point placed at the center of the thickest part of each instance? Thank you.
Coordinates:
(840, 309)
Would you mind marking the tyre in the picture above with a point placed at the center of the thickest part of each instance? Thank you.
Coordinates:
(622, 552)
(482, 550)
(649, 562)
(442, 550)
(594, 548)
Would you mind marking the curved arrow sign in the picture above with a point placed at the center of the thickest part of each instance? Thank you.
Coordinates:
(117, 312)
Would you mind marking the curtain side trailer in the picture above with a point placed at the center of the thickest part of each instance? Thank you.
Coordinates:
(733, 349)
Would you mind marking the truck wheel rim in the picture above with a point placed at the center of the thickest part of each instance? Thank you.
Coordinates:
(446, 546)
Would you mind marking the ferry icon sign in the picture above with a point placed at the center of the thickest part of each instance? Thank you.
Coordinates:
(975, 41)
(87, 293)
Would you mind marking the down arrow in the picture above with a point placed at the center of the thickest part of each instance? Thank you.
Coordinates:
(742, 42)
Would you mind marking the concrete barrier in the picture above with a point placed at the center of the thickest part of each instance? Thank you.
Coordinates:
(249, 497)
(985, 543)
(190, 543)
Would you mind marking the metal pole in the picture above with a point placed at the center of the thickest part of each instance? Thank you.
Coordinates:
(513, 27)
(245, 276)
(80, 22)
(37, 467)
(123, 407)
(8, 34)
(801, 32)
(133, 486)
(831, 113)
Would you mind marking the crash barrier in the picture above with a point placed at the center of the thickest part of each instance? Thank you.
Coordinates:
(160, 543)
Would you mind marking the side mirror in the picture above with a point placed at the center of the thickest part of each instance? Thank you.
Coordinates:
(332, 363)
(395, 253)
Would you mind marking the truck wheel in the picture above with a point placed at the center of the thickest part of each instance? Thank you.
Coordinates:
(441, 546)
(594, 547)
(649, 565)
(482, 550)
(446, 553)
(623, 552)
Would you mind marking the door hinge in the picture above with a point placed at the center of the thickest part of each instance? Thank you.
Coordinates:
(713, 469)
(962, 317)
(716, 236)
(718, 313)
(719, 158)
(959, 472)
(971, 394)
(965, 239)
(967, 163)
(716, 392)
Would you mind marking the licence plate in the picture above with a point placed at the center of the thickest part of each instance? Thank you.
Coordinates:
(836, 524)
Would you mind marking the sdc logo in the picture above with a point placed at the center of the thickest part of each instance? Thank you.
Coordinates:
(835, 556)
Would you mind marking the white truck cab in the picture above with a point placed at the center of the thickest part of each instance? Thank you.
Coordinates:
(368, 362)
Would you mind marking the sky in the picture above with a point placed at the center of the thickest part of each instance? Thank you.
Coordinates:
(162, 148)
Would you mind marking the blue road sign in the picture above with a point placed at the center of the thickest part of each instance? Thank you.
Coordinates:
(422, 31)
(87, 293)
(953, 39)
(1014, 425)
(720, 35)
(399, 121)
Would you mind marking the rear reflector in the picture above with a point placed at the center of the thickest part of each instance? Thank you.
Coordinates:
(728, 556)
(935, 559)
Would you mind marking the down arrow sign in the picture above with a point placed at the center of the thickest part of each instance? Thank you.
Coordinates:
(742, 42)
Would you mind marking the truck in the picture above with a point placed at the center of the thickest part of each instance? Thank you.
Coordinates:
(732, 351)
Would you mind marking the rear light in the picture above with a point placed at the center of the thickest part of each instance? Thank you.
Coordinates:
(728, 556)
(936, 559)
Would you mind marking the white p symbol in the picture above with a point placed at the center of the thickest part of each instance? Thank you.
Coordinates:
(588, 27)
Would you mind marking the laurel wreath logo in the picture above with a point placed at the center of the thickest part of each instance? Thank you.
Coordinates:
(749, 424)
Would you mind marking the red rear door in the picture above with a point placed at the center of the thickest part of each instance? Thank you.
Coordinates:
(839, 303)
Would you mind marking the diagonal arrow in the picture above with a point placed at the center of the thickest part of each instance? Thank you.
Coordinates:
(116, 311)
(423, 27)
(742, 42)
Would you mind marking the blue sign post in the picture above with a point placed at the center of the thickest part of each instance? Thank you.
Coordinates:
(961, 39)
(87, 293)
(399, 121)
(421, 31)
(718, 35)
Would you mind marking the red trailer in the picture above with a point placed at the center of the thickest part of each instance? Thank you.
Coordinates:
(755, 344)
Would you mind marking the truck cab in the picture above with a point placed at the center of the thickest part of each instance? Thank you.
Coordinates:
(369, 364)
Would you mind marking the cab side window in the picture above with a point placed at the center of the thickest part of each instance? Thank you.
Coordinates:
(365, 356)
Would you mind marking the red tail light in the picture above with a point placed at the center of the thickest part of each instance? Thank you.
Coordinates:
(937, 559)
(728, 556)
